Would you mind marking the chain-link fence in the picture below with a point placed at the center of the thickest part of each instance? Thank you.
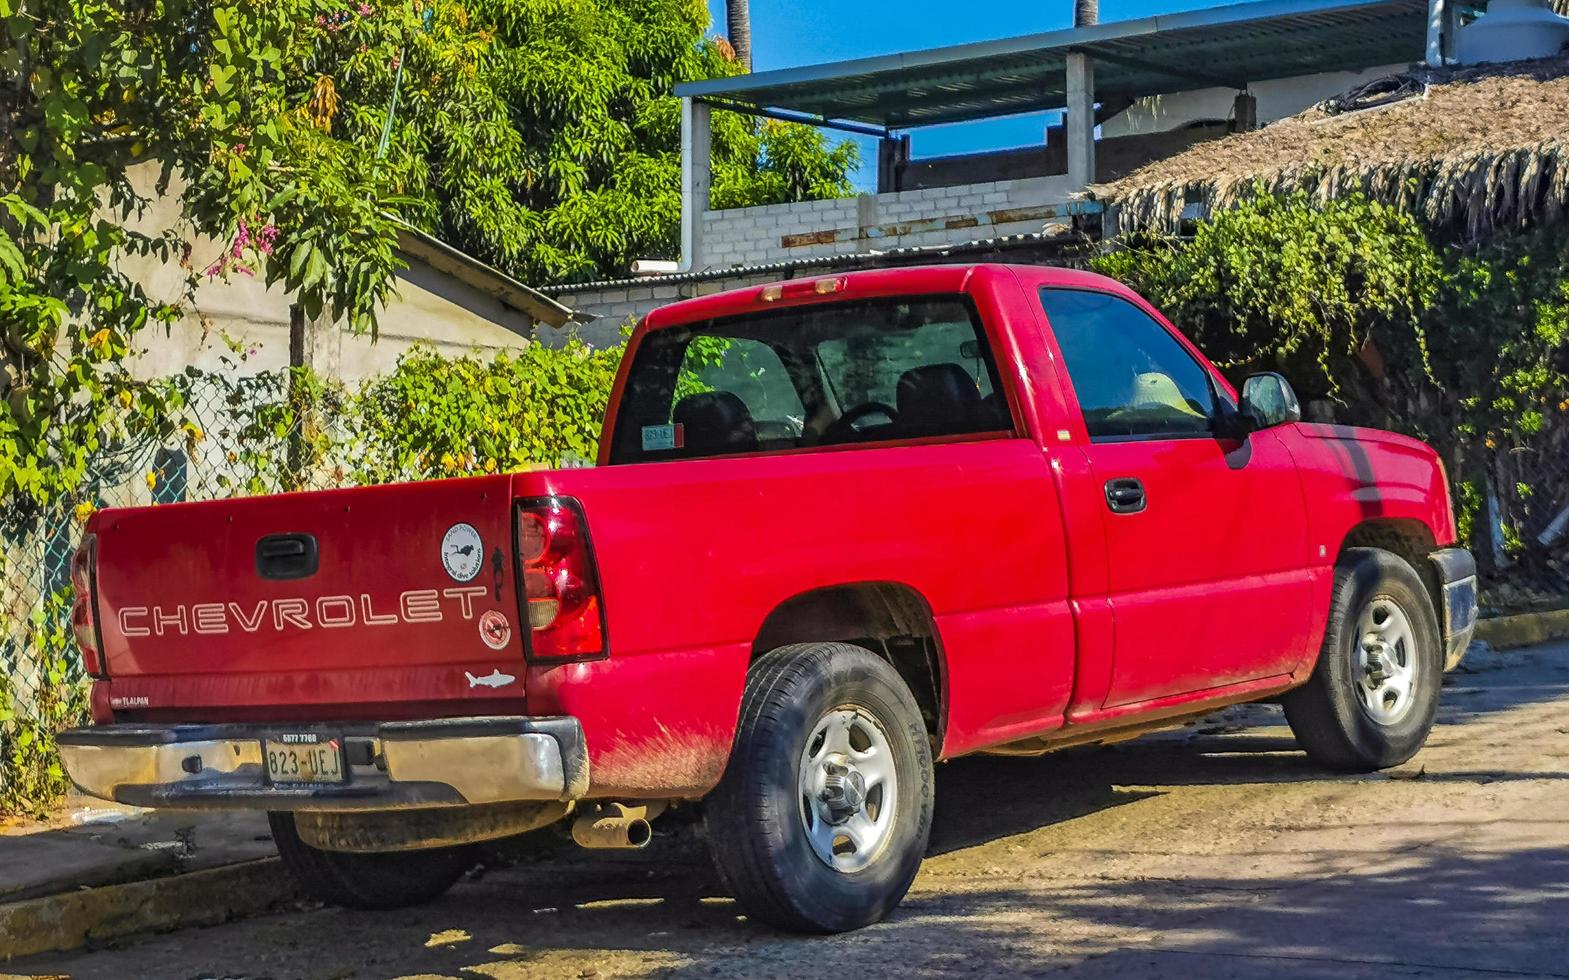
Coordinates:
(238, 437)
(271, 433)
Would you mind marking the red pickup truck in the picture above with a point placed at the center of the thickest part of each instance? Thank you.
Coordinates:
(841, 528)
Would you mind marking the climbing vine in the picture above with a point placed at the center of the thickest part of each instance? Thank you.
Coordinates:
(1293, 284)
(1465, 345)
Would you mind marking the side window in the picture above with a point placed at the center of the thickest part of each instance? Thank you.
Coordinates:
(1131, 377)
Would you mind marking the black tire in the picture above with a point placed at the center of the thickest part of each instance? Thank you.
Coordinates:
(368, 881)
(754, 818)
(1326, 714)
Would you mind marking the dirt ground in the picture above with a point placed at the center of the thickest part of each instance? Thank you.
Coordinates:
(1215, 851)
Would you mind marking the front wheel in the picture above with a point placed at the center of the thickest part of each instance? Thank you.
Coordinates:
(368, 881)
(1374, 693)
(822, 817)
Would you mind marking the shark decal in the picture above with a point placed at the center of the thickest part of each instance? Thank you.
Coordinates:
(493, 679)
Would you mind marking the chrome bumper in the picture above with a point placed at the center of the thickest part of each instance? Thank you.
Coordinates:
(445, 762)
(1457, 585)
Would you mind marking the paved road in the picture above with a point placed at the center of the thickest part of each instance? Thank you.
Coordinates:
(1217, 851)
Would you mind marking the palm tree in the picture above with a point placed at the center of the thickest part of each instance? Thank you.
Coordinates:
(738, 28)
(1085, 12)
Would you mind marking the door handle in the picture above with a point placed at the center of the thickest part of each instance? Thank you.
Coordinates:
(1125, 495)
(287, 556)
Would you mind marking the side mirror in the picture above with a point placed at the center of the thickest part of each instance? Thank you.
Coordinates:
(1268, 401)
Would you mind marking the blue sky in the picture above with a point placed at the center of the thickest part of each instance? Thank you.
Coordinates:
(790, 33)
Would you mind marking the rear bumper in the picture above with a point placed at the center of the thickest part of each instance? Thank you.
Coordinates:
(388, 765)
(1457, 587)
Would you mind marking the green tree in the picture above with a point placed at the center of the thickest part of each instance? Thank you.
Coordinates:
(218, 97)
(1311, 288)
(566, 163)
(540, 134)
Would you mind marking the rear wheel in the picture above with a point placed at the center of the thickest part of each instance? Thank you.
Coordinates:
(1374, 693)
(368, 881)
(822, 817)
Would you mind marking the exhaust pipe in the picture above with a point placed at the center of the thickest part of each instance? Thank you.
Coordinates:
(620, 826)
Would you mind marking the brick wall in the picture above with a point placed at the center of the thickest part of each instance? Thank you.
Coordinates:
(782, 233)
(934, 216)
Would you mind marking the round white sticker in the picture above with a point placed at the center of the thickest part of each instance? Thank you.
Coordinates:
(462, 553)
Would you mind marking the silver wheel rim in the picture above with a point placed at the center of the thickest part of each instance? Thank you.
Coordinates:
(1384, 661)
(848, 789)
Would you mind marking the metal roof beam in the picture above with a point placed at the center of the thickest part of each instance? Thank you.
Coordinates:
(1225, 47)
(804, 118)
(1186, 74)
(870, 89)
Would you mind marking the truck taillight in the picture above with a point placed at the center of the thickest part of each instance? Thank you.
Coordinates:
(84, 620)
(560, 586)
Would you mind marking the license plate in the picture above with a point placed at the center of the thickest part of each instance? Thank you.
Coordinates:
(303, 758)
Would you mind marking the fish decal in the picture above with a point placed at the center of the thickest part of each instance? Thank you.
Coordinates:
(493, 679)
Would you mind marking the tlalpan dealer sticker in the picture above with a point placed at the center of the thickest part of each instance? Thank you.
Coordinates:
(657, 437)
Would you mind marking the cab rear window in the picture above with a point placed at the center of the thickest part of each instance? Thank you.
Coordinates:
(867, 372)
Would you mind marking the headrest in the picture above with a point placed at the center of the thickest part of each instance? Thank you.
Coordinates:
(937, 397)
(716, 422)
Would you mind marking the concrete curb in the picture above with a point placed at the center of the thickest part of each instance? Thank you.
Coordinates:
(201, 898)
(1524, 629)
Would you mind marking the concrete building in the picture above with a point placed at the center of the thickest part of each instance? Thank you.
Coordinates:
(1132, 93)
(445, 298)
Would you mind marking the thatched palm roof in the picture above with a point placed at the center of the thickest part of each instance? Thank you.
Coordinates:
(1484, 147)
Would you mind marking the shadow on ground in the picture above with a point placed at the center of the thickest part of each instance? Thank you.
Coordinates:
(1417, 908)
(1440, 910)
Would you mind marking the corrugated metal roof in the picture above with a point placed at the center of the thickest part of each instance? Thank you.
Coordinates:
(903, 255)
(487, 279)
(1228, 46)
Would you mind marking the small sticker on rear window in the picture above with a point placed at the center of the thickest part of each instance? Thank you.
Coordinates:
(657, 437)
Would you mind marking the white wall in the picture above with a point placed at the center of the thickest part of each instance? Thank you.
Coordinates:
(430, 307)
(1277, 99)
(935, 216)
(820, 229)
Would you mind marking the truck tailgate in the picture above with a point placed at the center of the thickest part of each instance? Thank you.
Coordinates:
(385, 601)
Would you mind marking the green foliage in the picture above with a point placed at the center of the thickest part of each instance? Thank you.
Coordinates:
(49, 696)
(91, 94)
(435, 416)
(1292, 284)
(432, 416)
(1467, 347)
(1500, 334)
(565, 162)
(539, 134)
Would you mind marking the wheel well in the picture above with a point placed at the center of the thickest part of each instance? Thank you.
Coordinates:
(1410, 539)
(890, 619)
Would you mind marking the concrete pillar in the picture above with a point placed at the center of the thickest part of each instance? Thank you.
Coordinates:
(1443, 20)
(315, 343)
(696, 179)
(893, 154)
(1081, 120)
(1244, 113)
